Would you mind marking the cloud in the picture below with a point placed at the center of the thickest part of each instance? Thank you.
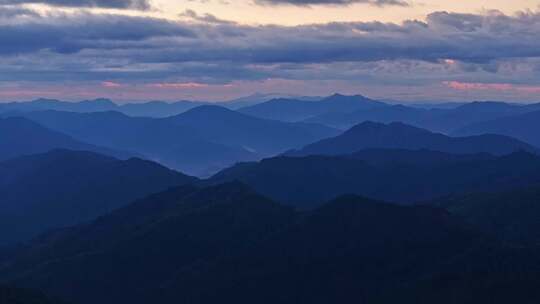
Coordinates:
(111, 84)
(113, 4)
(468, 48)
(335, 2)
(206, 18)
(476, 86)
(15, 11)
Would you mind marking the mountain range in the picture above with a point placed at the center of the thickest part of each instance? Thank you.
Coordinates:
(20, 136)
(199, 142)
(343, 112)
(306, 182)
(512, 215)
(262, 136)
(13, 295)
(339, 199)
(227, 243)
(157, 109)
(62, 188)
(298, 110)
(401, 136)
(524, 127)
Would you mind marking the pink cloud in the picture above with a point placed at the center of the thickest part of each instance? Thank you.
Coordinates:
(501, 87)
(111, 84)
(470, 86)
(178, 85)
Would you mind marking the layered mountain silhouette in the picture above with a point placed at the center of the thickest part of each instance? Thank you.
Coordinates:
(96, 105)
(298, 110)
(156, 108)
(524, 127)
(444, 120)
(258, 98)
(385, 212)
(61, 188)
(388, 114)
(262, 136)
(174, 146)
(397, 176)
(13, 295)
(510, 215)
(402, 136)
(200, 141)
(20, 136)
(147, 109)
(230, 244)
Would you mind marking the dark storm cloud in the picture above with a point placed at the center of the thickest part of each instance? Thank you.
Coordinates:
(116, 4)
(70, 34)
(98, 44)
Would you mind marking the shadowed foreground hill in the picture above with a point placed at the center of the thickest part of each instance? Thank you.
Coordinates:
(511, 215)
(61, 187)
(392, 175)
(228, 244)
(20, 136)
(401, 136)
(12, 295)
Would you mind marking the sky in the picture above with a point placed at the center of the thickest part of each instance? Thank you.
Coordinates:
(213, 50)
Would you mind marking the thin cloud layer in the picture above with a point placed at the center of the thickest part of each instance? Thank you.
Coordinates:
(116, 4)
(335, 2)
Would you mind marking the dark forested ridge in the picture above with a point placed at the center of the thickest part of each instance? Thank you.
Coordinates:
(403, 176)
(401, 136)
(227, 243)
(298, 110)
(62, 187)
(511, 215)
(14, 295)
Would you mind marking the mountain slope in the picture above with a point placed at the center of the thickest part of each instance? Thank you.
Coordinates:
(20, 136)
(511, 215)
(178, 147)
(401, 136)
(226, 243)
(157, 109)
(298, 110)
(13, 295)
(265, 137)
(523, 127)
(149, 244)
(61, 188)
(387, 114)
(434, 119)
(404, 176)
(146, 109)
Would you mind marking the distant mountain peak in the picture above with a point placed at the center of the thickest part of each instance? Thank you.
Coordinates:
(102, 101)
(338, 96)
(390, 127)
(208, 111)
(398, 135)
